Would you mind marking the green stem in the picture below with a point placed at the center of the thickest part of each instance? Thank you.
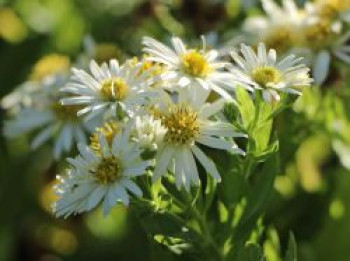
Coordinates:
(207, 236)
(247, 168)
(205, 232)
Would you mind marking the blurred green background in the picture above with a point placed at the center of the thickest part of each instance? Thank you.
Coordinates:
(312, 193)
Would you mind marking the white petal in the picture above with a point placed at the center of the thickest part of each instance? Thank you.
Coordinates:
(210, 109)
(95, 197)
(207, 163)
(120, 192)
(191, 166)
(96, 71)
(178, 45)
(162, 162)
(104, 145)
(137, 170)
(321, 66)
(86, 152)
(217, 143)
(131, 186)
(116, 144)
(42, 137)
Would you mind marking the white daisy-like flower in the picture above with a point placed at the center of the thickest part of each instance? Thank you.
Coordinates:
(57, 123)
(323, 40)
(45, 116)
(263, 72)
(189, 123)
(148, 132)
(278, 28)
(95, 178)
(108, 87)
(336, 10)
(199, 69)
(47, 73)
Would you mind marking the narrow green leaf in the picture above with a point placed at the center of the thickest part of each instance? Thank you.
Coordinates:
(245, 106)
(253, 252)
(291, 254)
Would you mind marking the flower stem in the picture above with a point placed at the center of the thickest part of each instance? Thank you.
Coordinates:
(207, 236)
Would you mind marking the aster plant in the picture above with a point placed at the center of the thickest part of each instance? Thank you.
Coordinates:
(182, 138)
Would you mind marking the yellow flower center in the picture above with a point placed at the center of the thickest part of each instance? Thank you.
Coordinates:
(114, 89)
(331, 8)
(279, 39)
(48, 65)
(318, 34)
(148, 65)
(66, 112)
(266, 74)
(182, 125)
(194, 64)
(108, 170)
(108, 130)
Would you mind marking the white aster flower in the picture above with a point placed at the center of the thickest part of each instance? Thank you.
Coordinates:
(51, 121)
(338, 11)
(56, 123)
(148, 132)
(199, 69)
(263, 72)
(108, 87)
(189, 123)
(325, 40)
(47, 73)
(278, 28)
(95, 178)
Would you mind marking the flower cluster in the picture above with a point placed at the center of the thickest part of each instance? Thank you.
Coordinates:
(318, 31)
(156, 116)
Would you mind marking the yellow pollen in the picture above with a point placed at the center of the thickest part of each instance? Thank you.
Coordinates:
(318, 34)
(194, 64)
(114, 89)
(108, 170)
(66, 112)
(108, 130)
(279, 39)
(148, 65)
(182, 125)
(266, 74)
(50, 64)
(331, 8)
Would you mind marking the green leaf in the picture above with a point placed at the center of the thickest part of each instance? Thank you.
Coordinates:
(262, 130)
(176, 245)
(261, 190)
(253, 252)
(246, 106)
(159, 222)
(291, 254)
(232, 187)
(272, 246)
